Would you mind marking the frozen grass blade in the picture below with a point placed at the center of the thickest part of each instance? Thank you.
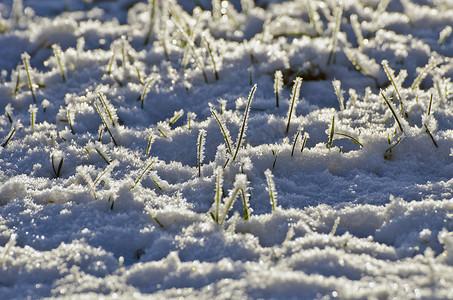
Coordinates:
(338, 15)
(339, 92)
(430, 102)
(332, 131)
(357, 30)
(388, 152)
(106, 171)
(245, 204)
(57, 50)
(142, 174)
(151, 21)
(57, 171)
(192, 48)
(393, 112)
(148, 148)
(294, 142)
(304, 143)
(103, 156)
(271, 188)
(16, 89)
(109, 109)
(313, 22)
(10, 136)
(25, 58)
(218, 193)
(444, 34)
(275, 158)
(139, 76)
(200, 147)
(154, 217)
(350, 137)
(105, 123)
(208, 46)
(430, 135)
(32, 110)
(224, 129)
(145, 89)
(244, 122)
(294, 100)
(278, 85)
(392, 80)
(358, 67)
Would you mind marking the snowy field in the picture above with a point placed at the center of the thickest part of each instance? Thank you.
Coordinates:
(226, 149)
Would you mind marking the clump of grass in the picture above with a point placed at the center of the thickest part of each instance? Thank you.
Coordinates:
(200, 149)
(57, 171)
(25, 58)
(271, 188)
(56, 51)
(244, 122)
(278, 85)
(191, 45)
(339, 92)
(240, 186)
(338, 15)
(112, 117)
(294, 100)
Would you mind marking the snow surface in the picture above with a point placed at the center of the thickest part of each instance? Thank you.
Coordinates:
(115, 177)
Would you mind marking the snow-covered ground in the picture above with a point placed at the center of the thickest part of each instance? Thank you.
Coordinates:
(128, 170)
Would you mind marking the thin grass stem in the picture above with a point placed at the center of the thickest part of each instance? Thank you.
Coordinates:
(332, 131)
(10, 136)
(430, 135)
(142, 174)
(393, 112)
(244, 122)
(208, 46)
(225, 132)
(294, 99)
(24, 57)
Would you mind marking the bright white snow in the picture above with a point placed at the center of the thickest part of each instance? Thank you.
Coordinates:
(128, 170)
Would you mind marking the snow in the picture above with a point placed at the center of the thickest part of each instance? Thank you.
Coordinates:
(127, 170)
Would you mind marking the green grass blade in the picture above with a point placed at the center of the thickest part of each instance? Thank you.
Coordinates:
(224, 129)
(430, 135)
(244, 122)
(393, 112)
(351, 138)
(332, 131)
